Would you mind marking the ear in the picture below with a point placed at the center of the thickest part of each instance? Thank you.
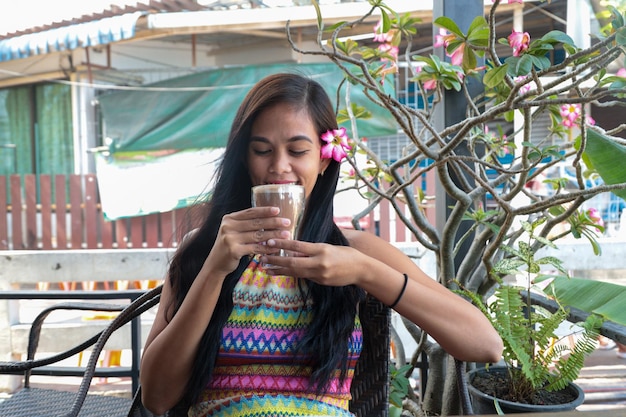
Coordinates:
(323, 165)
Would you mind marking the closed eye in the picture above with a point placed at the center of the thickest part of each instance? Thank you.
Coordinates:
(261, 152)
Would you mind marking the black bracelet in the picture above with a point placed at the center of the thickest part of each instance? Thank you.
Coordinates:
(395, 303)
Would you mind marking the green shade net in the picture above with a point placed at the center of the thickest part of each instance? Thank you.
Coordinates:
(196, 111)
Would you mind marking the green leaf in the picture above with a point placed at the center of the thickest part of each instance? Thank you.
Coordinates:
(335, 26)
(479, 38)
(497, 406)
(620, 36)
(393, 410)
(618, 18)
(556, 36)
(599, 297)
(508, 266)
(349, 47)
(320, 22)
(495, 76)
(386, 21)
(478, 24)
(541, 62)
(519, 65)
(617, 82)
(607, 158)
(524, 65)
(450, 25)
(597, 249)
(469, 58)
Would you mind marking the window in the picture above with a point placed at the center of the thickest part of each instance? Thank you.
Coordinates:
(36, 130)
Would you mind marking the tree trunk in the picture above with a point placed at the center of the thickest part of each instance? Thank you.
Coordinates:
(433, 395)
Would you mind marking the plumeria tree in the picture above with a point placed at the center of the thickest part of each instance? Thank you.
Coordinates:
(488, 155)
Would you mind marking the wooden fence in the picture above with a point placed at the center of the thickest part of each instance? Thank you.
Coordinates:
(64, 212)
(44, 212)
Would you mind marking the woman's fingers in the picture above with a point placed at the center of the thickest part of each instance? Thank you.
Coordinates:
(245, 232)
(254, 213)
(255, 220)
(297, 247)
(320, 262)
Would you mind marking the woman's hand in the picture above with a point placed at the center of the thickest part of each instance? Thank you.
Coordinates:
(378, 268)
(245, 233)
(320, 262)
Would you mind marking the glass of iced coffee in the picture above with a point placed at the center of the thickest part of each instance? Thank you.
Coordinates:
(289, 198)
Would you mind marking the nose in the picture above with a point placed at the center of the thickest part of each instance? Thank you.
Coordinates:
(281, 163)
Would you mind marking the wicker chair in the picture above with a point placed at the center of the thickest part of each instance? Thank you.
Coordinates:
(33, 402)
(370, 386)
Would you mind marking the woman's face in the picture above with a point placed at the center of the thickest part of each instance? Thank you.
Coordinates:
(285, 148)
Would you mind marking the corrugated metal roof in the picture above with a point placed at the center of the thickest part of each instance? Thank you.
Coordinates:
(58, 36)
(153, 6)
(98, 32)
(111, 25)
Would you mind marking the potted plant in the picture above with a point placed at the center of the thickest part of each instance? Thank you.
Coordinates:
(539, 368)
(489, 155)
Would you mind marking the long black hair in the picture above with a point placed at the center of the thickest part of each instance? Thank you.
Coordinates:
(334, 308)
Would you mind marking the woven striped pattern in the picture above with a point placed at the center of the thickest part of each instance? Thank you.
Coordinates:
(258, 372)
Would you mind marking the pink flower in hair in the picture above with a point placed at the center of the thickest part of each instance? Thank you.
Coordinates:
(336, 145)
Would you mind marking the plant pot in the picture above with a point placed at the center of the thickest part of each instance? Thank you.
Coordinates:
(484, 404)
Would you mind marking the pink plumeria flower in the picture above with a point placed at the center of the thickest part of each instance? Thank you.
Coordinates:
(621, 72)
(380, 36)
(428, 84)
(443, 38)
(388, 69)
(336, 144)
(390, 49)
(526, 87)
(570, 113)
(519, 41)
(456, 57)
(595, 216)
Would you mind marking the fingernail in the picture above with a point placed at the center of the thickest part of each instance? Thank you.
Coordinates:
(271, 242)
(286, 222)
(285, 234)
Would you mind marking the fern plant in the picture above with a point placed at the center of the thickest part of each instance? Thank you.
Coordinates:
(535, 356)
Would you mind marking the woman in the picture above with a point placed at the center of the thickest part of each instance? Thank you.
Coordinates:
(231, 336)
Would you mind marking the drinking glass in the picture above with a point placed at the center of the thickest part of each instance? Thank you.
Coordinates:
(289, 198)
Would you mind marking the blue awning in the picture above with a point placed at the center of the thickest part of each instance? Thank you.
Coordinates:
(81, 35)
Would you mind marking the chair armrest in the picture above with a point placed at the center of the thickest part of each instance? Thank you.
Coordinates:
(37, 324)
(132, 311)
(17, 367)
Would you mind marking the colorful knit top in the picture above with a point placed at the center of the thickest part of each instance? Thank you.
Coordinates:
(257, 373)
